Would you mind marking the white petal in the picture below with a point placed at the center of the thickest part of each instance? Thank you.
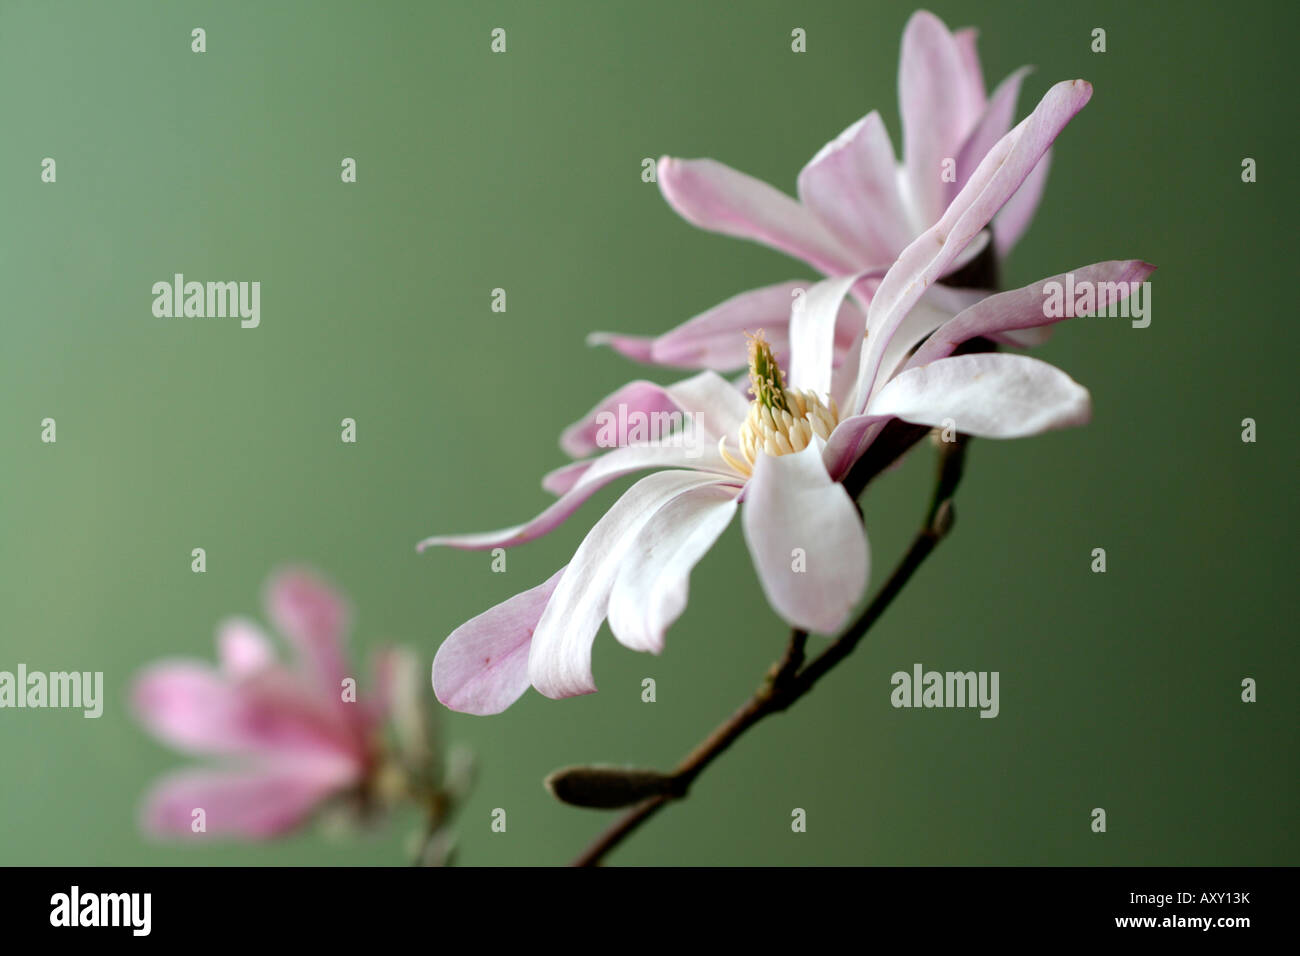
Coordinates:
(806, 540)
(559, 662)
(988, 394)
(652, 585)
(813, 322)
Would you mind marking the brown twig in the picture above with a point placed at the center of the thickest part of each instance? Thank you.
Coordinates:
(789, 679)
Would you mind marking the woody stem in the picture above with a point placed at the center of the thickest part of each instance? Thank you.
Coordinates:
(790, 678)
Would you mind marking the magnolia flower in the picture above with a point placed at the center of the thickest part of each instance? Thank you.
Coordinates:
(783, 454)
(300, 735)
(857, 207)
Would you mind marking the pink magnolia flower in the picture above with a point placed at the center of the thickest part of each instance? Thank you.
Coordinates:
(857, 208)
(297, 738)
(783, 454)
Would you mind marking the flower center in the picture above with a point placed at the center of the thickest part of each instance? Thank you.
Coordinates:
(781, 420)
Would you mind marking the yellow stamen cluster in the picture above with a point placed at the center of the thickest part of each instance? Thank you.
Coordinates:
(781, 421)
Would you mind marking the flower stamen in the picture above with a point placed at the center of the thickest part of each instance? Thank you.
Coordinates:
(781, 421)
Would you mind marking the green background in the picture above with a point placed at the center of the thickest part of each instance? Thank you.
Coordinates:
(522, 171)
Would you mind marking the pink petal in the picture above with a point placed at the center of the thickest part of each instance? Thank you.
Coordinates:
(581, 438)
(990, 394)
(851, 437)
(794, 512)
(925, 260)
(653, 581)
(635, 347)
(1023, 308)
(607, 468)
(560, 480)
(193, 708)
(242, 648)
(852, 186)
(255, 804)
(939, 107)
(992, 126)
(970, 60)
(718, 198)
(1010, 224)
(935, 308)
(559, 661)
(716, 339)
(314, 617)
(482, 668)
(721, 409)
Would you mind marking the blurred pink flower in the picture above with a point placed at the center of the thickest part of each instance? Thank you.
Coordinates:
(296, 737)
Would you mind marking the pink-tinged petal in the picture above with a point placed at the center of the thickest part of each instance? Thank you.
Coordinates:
(314, 617)
(560, 480)
(611, 423)
(1010, 224)
(192, 707)
(635, 347)
(814, 323)
(559, 661)
(931, 311)
(722, 406)
(993, 124)
(1023, 308)
(1023, 338)
(989, 394)
(795, 518)
(257, 803)
(610, 466)
(929, 257)
(966, 45)
(852, 186)
(583, 437)
(847, 443)
(716, 339)
(716, 197)
(939, 107)
(653, 581)
(847, 359)
(242, 648)
(482, 668)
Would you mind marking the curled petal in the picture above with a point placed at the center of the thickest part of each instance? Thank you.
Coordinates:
(1024, 308)
(652, 585)
(992, 125)
(1014, 218)
(922, 263)
(559, 663)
